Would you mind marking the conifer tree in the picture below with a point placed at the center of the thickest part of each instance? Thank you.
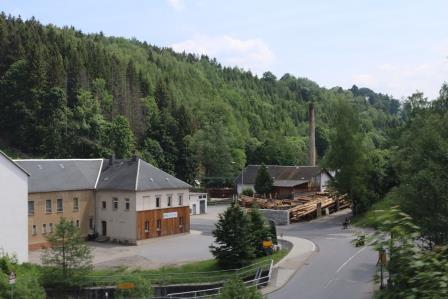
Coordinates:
(263, 181)
(233, 245)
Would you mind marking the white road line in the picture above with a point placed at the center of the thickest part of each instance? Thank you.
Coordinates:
(352, 257)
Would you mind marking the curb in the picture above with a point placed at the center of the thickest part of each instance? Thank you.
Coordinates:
(301, 259)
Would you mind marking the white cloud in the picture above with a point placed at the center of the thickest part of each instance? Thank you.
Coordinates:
(176, 4)
(401, 80)
(251, 54)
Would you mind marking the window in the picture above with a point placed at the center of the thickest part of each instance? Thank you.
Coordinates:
(48, 206)
(158, 201)
(115, 201)
(34, 229)
(169, 200)
(103, 204)
(127, 204)
(75, 204)
(159, 224)
(44, 228)
(77, 223)
(146, 226)
(31, 207)
(60, 205)
(50, 228)
(180, 197)
(91, 223)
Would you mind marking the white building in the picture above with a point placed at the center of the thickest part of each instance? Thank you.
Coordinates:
(136, 201)
(13, 211)
(198, 203)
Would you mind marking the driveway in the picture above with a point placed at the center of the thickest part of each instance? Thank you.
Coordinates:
(154, 253)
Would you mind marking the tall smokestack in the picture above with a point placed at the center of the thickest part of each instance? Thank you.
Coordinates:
(312, 136)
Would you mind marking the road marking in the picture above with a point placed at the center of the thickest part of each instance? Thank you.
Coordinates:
(352, 257)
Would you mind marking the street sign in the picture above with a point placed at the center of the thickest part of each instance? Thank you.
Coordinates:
(126, 285)
(12, 278)
(267, 244)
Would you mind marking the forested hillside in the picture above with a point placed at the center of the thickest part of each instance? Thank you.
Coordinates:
(68, 94)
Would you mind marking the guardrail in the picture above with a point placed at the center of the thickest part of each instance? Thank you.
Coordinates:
(165, 278)
(207, 293)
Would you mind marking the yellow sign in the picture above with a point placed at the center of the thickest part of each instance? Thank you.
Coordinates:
(126, 285)
(267, 244)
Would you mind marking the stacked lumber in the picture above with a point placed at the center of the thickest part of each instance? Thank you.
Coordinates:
(309, 209)
(302, 207)
(262, 203)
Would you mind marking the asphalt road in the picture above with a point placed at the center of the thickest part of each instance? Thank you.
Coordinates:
(338, 270)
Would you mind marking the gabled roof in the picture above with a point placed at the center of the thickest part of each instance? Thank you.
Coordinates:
(15, 164)
(136, 175)
(47, 175)
(294, 174)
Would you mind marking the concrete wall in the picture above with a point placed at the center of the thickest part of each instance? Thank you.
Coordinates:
(280, 217)
(13, 211)
(121, 223)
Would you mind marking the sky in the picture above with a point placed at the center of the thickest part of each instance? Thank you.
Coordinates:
(391, 46)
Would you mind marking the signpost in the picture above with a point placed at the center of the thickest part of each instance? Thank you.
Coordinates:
(126, 285)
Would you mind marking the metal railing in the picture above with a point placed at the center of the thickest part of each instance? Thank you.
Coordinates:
(259, 280)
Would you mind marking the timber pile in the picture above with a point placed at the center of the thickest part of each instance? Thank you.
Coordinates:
(302, 207)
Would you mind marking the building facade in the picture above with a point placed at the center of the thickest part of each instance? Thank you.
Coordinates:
(287, 180)
(60, 188)
(137, 201)
(13, 217)
(198, 203)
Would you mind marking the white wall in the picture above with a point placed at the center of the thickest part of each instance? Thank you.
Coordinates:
(146, 200)
(240, 188)
(195, 203)
(324, 181)
(121, 224)
(14, 210)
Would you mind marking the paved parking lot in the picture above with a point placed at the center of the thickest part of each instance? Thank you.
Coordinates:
(154, 253)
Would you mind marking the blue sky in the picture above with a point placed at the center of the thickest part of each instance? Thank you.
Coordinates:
(391, 46)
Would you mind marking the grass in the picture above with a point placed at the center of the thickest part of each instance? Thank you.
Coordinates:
(369, 218)
(194, 272)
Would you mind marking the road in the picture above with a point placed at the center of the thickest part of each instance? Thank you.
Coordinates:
(338, 270)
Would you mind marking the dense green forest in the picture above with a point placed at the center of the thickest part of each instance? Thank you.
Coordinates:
(68, 94)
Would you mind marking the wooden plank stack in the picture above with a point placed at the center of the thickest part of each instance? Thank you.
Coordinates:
(302, 207)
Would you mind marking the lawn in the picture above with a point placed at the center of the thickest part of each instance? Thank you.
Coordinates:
(195, 272)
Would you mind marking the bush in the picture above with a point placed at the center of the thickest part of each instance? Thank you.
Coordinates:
(248, 192)
(235, 289)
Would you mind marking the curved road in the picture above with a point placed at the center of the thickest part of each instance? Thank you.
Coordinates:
(338, 270)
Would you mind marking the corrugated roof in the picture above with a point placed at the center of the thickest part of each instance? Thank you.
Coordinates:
(137, 175)
(48, 175)
(288, 183)
(280, 173)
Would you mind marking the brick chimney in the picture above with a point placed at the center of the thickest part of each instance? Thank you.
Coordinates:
(312, 136)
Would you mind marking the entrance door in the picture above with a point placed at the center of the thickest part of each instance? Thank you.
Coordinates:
(159, 227)
(104, 228)
(202, 207)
